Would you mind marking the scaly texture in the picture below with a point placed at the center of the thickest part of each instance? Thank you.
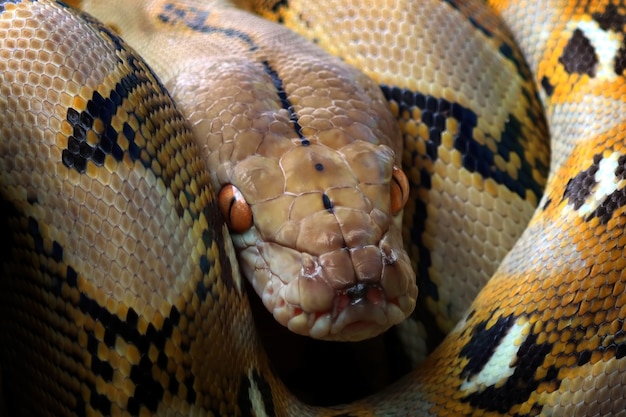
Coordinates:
(120, 289)
(475, 145)
(302, 136)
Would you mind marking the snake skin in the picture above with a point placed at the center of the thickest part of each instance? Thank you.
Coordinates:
(335, 232)
(120, 293)
(477, 158)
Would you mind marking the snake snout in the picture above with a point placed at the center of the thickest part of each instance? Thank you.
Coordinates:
(361, 293)
(344, 294)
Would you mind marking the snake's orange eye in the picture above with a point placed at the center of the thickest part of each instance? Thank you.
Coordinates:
(236, 211)
(399, 190)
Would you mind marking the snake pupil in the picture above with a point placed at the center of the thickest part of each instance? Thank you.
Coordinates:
(235, 209)
(399, 190)
(328, 205)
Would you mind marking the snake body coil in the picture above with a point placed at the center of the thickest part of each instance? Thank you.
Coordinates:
(120, 291)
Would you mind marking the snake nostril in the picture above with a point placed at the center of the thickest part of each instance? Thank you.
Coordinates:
(364, 292)
(389, 256)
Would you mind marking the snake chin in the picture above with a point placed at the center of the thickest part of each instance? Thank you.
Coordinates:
(343, 295)
(356, 322)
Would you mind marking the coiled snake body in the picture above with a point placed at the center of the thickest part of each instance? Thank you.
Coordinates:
(120, 288)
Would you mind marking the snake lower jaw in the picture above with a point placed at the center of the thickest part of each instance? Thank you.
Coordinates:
(357, 322)
(312, 297)
(349, 317)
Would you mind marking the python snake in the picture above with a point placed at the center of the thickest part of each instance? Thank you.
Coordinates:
(120, 288)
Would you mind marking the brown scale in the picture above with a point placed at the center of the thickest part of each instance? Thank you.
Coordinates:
(115, 190)
(579, 55)
(459, 223)
(544, 337)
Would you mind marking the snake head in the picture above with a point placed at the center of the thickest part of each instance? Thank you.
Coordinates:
(307, 152)
(324, 249)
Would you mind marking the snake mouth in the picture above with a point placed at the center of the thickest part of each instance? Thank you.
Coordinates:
(348, 320)
(345, 293)
(310, 297)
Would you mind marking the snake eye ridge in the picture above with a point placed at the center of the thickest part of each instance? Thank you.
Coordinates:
(399, 190)
(236, 211)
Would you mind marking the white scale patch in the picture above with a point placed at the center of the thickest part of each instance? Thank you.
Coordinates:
(605, 43)
(499, 367)
(256, 398)
(606, 184)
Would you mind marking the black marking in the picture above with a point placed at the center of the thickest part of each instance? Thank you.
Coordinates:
(614, 343)
(579, 56)
(328, 204)
(32, 199)
(115, 40)
(579, 188)
(148, 391)
(62, 283)
(205, 267)
(209, 236)
(424, 260)
(71, 277)
(100, 403)
(511, 143)
(266, 392)
(614, 201)
(483, 345)
(476, 157)
(281, 4)
(508, 52)
(610, 19)
(483, 29)
(51, 253)
(547, 204)
(617, 199)
(79, 151)
(162, 360)
(547, 86)
(191, 392)
(173, 386)
(94, 137)
(614, 20)
(620, 60)
(111, 329)
(584, 357)
(620, 171)
(517, 388)
(284, 100)
(620, 350)
(129, 132)
(482, 24)
(471, 19)
(101, 368)
(56, 251)
(264, 388)
(195, 19)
